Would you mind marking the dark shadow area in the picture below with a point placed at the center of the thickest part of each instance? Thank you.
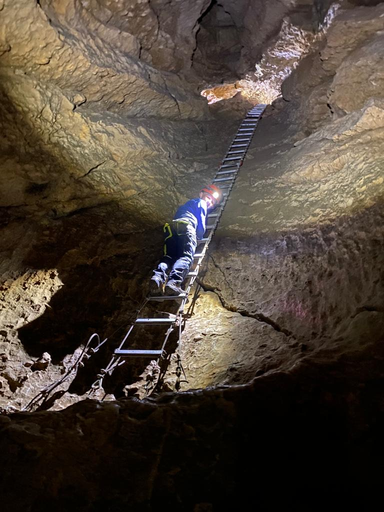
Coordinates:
(218, 42)
(311, 440)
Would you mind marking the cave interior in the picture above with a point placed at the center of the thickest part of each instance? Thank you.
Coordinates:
(115, 112)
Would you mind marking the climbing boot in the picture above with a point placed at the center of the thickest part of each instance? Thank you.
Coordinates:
(155, 286)
(171, 288)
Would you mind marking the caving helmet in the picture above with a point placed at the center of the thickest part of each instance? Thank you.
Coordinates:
(215, 192)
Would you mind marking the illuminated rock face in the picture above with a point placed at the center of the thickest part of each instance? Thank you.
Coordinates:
(298, 259)
(298, 264)
(101, 141)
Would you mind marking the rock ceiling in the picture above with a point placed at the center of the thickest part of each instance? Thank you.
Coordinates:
(104, 133)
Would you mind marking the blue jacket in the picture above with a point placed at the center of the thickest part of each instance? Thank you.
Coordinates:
(194, 212)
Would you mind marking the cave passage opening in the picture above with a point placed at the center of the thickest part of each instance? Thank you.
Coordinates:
(262, 84)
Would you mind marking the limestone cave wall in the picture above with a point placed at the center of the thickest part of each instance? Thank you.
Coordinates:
(104, 133)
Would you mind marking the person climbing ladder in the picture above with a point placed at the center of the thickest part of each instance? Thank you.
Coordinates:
(180, 240)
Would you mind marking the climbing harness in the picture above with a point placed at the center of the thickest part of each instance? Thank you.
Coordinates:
(224, 179)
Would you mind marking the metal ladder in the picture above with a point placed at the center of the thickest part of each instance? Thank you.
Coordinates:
(225, 178)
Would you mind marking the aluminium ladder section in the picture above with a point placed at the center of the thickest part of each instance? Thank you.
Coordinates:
(225, 178)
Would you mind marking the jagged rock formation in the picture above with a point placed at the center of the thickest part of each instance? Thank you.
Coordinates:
(102, 119)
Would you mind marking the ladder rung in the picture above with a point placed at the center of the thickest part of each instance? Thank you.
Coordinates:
(235, 152)
(193, 273)
(239, 145)
(168, 297)
(198, 255)
(242, 140)
(210, 215)
(138, 353)
(227, 172)
(225, 188)
(225, 166)
(216, 180)
(156, 321)
(233, 158)
(211, 226)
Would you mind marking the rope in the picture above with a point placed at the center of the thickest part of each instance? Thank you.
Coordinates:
(44, 394)
(179, 370)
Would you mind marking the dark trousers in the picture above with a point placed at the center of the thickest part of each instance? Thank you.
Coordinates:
(179, 248)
